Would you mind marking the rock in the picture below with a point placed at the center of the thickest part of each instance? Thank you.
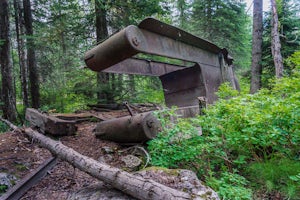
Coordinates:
(183, 180)
(107, 149)
(180, 179)
(7, 180)
(106, 158)
(131, 162)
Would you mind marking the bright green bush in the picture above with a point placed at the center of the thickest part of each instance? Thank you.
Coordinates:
(178, 145)
(3, 127)
(243, 132)
(277, 175)
(230, 186)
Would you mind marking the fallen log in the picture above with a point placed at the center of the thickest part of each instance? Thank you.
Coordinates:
(50, 124)
(130, 129)
(135, 186)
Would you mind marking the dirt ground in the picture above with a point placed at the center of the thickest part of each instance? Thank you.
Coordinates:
(19, 156)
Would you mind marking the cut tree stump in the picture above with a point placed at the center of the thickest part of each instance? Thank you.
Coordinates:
(133, 185)
(49, 124)
(130, 129)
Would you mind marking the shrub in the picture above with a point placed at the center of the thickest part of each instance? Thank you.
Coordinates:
(259, 131)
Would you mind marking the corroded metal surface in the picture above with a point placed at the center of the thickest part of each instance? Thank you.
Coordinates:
(182, 85)
(142, 67)
(30, 180)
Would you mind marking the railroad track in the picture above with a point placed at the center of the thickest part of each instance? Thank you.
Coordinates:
(18, 190)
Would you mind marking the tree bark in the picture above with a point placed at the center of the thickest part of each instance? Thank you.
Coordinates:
(135, 186)
(256, 67)
(276, 45)
(31, 60)
(8, 93)
(19, 22)
(101, 34)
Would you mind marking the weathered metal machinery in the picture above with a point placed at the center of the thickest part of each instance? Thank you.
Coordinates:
(182, 84)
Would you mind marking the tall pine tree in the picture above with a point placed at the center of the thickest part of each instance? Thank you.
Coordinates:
(225, 23)
(8, 93)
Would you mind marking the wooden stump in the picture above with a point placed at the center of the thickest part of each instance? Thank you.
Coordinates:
(49, 124)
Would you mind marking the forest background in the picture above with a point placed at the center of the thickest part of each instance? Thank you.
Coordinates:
(43, 43)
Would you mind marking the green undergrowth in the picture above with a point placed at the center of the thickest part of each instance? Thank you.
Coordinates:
(248, 144)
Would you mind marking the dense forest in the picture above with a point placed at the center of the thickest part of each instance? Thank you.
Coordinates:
(249, 147)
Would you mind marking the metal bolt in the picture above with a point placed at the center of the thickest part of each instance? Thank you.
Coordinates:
(149, 124)
(135, 41)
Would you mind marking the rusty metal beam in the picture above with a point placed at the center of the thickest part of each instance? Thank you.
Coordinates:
(142, 67)
(181, 86)
(177, 34)
(30, 180)
(167, 42)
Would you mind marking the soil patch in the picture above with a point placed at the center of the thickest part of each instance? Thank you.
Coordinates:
(19, 156)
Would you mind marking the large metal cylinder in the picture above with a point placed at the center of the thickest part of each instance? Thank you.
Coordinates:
(131, 129)
(113, 50)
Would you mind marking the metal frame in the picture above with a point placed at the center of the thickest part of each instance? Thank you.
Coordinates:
(182, 85)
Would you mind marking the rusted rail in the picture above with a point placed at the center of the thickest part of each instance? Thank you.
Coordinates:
(17, 191)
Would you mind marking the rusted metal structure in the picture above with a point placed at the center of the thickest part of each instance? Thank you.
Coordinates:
(18, 190)
(182, 84)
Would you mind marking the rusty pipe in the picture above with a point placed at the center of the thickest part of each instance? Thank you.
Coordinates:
(115, 49)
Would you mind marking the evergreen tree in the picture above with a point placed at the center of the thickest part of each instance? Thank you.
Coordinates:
(289, 32)
(19, 24)
(31, 56)
(276, 45)
(8, 93)
(225, 23)
(256, 68)
(101, 34)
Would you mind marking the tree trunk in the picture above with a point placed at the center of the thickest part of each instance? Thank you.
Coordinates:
(19, 22)
(101, 34)
(276, 45)
(132, 89)
(8, 93)
(31, 60)
(256, 68)
(130, 129)
(102, 83)
(135, 186)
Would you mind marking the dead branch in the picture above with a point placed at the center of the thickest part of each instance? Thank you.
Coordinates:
(11, 125)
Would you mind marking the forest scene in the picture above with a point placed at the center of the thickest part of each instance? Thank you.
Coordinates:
(105, 90)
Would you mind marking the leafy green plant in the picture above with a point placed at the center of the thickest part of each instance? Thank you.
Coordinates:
(176, 145)
(3, 189)
(239, 131)
(230, 186)
(226, 91)
(3, 127)
(277, 175)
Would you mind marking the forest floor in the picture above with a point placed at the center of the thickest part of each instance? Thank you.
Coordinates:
(19, 156)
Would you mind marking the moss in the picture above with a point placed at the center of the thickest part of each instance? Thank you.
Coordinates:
(171, 172)
(21, 167)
